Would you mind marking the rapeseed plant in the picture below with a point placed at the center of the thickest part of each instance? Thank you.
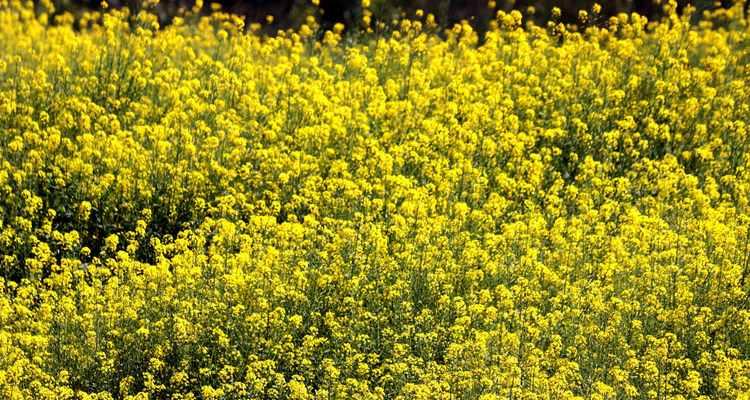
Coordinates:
(200, 212)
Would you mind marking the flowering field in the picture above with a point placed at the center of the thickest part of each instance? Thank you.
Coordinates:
(194, 212)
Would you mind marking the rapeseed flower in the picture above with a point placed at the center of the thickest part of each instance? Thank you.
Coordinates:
(197, 211)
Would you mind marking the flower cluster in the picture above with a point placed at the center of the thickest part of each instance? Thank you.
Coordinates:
(201, 212)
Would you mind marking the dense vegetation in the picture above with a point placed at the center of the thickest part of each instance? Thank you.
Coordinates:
(200, 212)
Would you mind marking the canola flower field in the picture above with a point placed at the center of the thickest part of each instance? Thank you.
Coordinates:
(200, 212)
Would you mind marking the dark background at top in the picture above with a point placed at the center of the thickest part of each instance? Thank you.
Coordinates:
(289, 13)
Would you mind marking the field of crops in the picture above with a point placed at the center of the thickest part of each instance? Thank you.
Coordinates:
(200, 212)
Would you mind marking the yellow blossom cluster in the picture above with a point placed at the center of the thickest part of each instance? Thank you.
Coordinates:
(200, 212)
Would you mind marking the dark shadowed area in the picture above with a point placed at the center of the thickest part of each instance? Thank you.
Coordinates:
(290, 13)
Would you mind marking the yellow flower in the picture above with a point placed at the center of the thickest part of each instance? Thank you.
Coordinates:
(202, 211)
